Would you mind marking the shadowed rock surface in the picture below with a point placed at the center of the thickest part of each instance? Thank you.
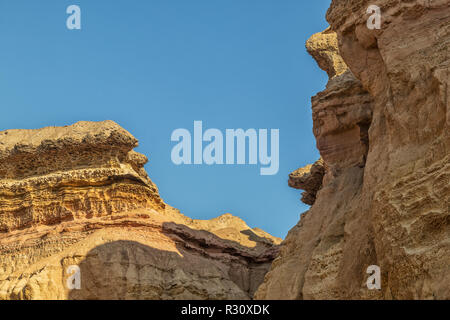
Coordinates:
(382, 129)
(79, 195)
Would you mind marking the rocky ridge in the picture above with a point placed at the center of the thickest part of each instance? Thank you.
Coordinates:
(79, 196)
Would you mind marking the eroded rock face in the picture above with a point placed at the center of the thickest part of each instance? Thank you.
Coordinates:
(55, 174)
(342, 113)
(382, 128)
(79, 196)
(310, 179)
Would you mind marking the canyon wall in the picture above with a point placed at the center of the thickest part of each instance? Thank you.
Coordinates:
(380, 194)
(79, 196)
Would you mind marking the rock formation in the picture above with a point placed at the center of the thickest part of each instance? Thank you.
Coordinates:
(380, 195)
(310, 179)
(382, 129)
(79, 196)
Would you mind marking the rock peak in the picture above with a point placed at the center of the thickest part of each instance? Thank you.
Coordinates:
(323, 47)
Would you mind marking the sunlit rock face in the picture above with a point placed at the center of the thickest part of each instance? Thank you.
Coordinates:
(382, 129)
(59, 174)
(78, 196)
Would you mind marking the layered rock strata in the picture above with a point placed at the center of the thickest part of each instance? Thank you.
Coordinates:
(382, 129)
(78, 196)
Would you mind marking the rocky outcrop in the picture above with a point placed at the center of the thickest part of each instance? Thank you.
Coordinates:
(382, 129)
(310, 179)
(79, 196)
(53, 174)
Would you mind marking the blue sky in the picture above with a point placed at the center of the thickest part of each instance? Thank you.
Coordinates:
(155, 66)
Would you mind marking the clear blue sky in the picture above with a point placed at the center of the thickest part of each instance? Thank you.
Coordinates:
(155, 66)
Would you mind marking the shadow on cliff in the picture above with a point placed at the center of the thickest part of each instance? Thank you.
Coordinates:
(122, 270)
(205, 267)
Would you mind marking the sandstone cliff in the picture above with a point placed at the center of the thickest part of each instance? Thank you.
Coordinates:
(79, 196)
(381, 193)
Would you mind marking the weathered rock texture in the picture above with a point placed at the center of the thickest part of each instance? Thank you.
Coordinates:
(382, 129)
(310, 179)
(79, 195)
